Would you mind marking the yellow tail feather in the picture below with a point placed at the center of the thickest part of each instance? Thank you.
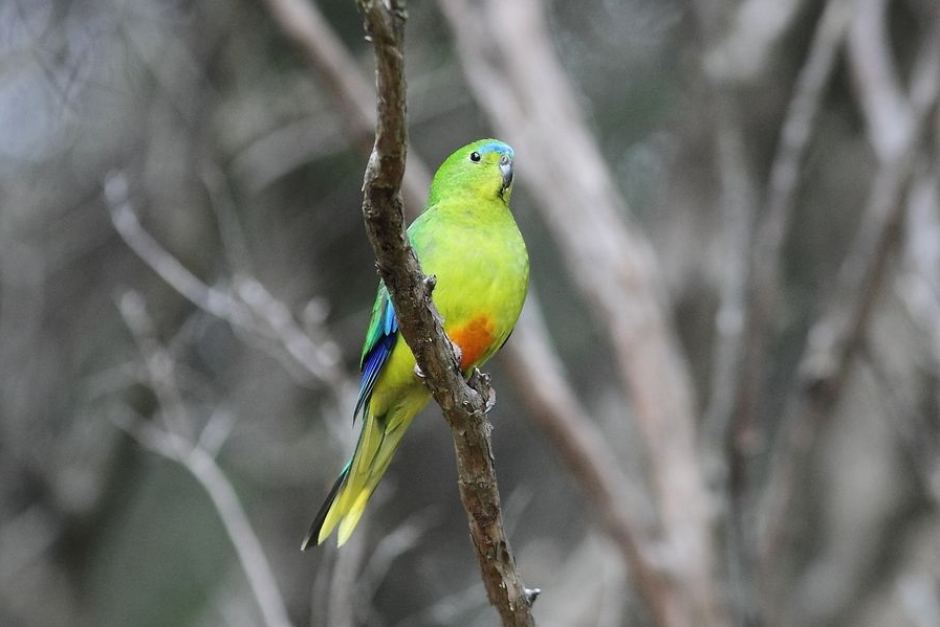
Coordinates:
(377, 444)
(352, 518)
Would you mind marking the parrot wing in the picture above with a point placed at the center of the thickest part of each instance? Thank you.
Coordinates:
(380, 339)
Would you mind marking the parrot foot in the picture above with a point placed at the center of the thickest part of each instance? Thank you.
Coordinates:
(419, 374)
(488, 390)
(490, 401)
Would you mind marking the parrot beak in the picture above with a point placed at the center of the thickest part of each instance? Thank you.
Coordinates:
(505, 167)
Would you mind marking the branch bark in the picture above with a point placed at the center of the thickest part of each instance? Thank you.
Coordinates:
(421, 326)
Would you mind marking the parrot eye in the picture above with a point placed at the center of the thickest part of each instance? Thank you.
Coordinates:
(475, 156)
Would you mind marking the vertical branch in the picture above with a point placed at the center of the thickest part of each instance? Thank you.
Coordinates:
(727, 453)
(421, 326)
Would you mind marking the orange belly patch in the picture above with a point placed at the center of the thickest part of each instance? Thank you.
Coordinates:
(474, 339)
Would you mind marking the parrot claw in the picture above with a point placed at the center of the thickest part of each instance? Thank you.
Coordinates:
(490, 401)
(484, 379)
(419, 374)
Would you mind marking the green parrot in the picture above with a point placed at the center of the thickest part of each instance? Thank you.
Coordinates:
(468, 239)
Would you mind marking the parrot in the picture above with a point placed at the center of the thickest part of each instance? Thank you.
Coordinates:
(468, 240)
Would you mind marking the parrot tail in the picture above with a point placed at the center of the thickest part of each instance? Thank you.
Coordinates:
(312, 537)
(347, 500)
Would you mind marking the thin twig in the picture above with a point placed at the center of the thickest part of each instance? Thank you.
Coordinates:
(728, 451)
(126, 223)
(252, 308)
(344, 603)
(919, 285)
(201, 465)
(738, 200)
(394, 544)
(158, 362)
(421, 326)
(204, 469)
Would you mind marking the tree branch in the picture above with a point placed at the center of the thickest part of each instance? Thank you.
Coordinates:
(421, 326)
(755, 29)
(876, 79)
(728, 450)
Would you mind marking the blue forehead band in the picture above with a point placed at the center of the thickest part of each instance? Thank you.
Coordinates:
(499, 147)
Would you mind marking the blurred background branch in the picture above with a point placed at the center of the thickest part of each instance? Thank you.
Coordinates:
(836, 337)
(173, 441)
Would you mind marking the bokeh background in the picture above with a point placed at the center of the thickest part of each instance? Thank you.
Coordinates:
(185, 283)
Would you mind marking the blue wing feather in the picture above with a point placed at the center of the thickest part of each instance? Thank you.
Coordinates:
(375, 356)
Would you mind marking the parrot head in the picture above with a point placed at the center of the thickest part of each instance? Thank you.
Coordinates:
(482, 169)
